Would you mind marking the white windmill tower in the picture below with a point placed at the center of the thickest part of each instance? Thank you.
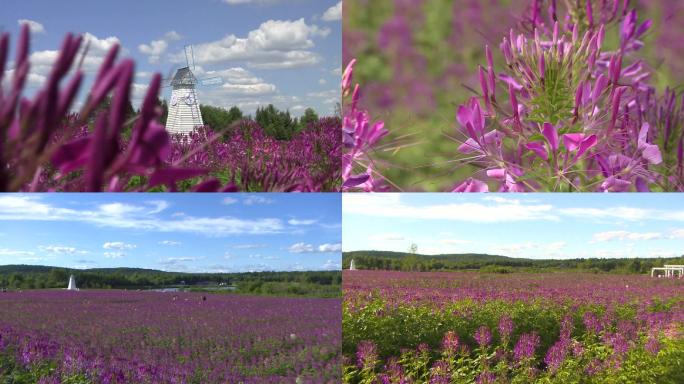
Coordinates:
(72, 284)
(184, 111)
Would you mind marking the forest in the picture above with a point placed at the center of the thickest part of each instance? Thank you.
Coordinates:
(308, 283)
(405, 261)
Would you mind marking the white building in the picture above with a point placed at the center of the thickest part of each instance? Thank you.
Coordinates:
(184, 112)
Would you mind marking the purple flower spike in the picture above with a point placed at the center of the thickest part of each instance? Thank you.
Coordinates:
(483, 336)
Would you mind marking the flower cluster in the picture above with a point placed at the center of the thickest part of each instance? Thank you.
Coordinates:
(576, 116)
(573, 109)
(359, 137)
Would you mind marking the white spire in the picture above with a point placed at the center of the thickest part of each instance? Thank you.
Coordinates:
(72, 284)
(352, 267)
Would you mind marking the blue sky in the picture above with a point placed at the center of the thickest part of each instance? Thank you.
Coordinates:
(173, 232)
(285, 52)
(559, 226)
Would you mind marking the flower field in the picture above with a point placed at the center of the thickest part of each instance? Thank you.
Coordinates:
(463, 327)
(46, 146)
(149, 337)
(510, 96)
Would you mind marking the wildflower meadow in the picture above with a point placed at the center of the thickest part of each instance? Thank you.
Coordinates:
(151, 337)
(469, 327)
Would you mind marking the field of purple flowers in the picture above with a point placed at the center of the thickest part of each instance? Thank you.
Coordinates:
(528, 95)
(44, 146)
(147, 337)
(462, 327)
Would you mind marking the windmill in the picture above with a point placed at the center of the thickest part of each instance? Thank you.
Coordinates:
(184, 111)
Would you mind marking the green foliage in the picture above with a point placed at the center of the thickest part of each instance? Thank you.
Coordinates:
(277, 124)
(309, 117)
(219, 119)
(397, 331)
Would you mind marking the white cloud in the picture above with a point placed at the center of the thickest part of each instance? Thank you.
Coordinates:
(301, 248)
(301, 222)
(310, 248)
(118, 245)
(154, 50)
(14, 252)
(170, 243)
(391, 206)
(173, 36)
(114, 255)
(531, 249)
(97, 49)
(58, 249)
(625, 235)
(183, 259)
(330, 248)
(677, 234)
(332, 265)
(454, 241)
(333, 13)
(249, 246)
(229, 201)
(34, 26)
(256, 199)
(387, 237)
(624, 213)
(142, 217)
(275, 44)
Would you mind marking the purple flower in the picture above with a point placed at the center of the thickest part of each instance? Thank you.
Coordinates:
(505, 327)
(366, 355)
(483, 336)
(526, 346)
(450, 343)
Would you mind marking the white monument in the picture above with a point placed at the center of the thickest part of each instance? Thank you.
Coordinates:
(352, 267)
(72, 284)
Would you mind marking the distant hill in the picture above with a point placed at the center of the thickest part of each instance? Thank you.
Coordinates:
(403, 261)
(455, 257)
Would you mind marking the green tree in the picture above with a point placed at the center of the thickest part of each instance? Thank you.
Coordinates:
(219, 118)
(309, 117)
(277, 124)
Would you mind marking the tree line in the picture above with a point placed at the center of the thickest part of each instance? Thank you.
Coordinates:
(276, 123)
(39, 277)
(397, 261)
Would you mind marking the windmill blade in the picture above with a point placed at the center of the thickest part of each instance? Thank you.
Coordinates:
(216, 80)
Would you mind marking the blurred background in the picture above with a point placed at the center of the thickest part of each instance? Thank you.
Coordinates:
(417, 61)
